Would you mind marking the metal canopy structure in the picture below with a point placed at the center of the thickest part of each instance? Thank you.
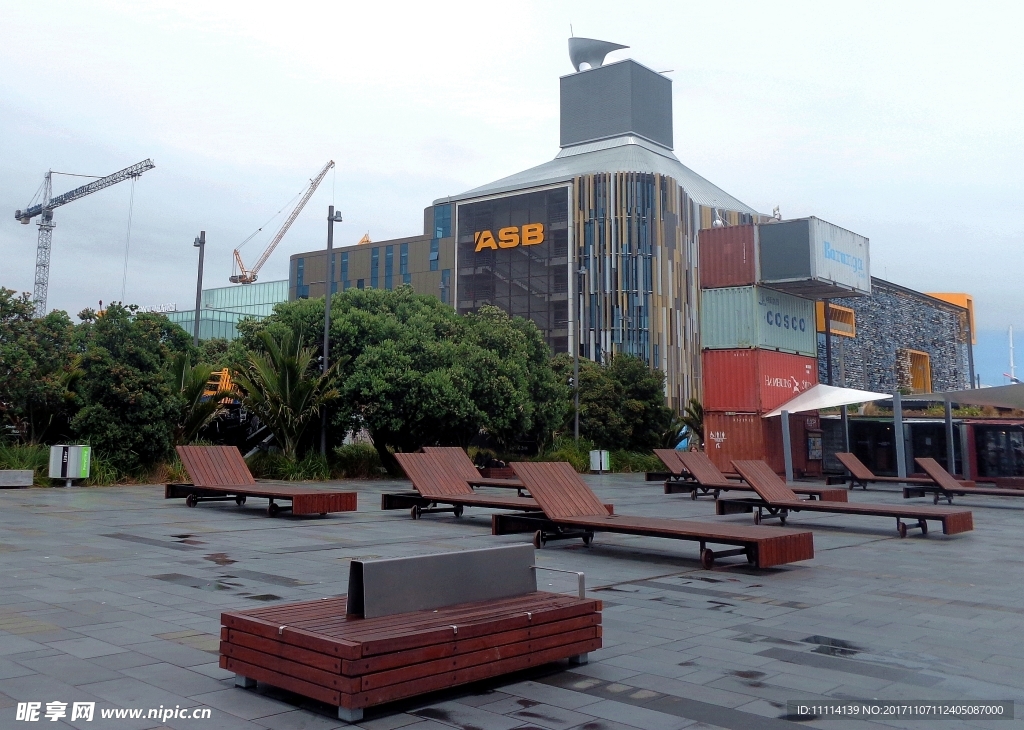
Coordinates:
(826, 396)
(1001, 396)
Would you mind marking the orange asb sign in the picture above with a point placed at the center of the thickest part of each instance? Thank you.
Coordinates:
(531, 235)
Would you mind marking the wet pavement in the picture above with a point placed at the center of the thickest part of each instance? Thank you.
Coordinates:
(113, 595)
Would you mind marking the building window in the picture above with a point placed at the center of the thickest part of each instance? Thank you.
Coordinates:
(360, 283)
(842, 320)
(389, 267)
(434, 253)
(301, 288)
(403, 265)
(446, 286)
(442, 221)
(345, 283)
(913, 371)
(374, 266)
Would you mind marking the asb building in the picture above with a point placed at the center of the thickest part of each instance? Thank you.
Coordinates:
(597, 246)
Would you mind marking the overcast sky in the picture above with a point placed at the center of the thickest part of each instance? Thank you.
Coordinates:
(901, 122)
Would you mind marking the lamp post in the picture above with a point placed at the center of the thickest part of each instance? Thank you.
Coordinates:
(199, 243)
(576, 355)
(332, 218)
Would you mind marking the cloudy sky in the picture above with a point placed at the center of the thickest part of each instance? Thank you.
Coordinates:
(899, 121)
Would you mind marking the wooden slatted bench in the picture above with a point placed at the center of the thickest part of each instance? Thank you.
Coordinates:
(342, 652)
(945, 486)
(458, 462)
(220, 474)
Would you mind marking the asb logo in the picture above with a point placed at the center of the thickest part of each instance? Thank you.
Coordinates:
(532, 234)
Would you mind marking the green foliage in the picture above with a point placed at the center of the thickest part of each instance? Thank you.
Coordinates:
(189, 384)
(565, 448)
(38, 370)
(27, 456)
(633, 462)
(216, 352)
(413, 372)
(693, 420)
(622, 404)
(283, 387)
(276, 465)
(357, 461)
(127, 409)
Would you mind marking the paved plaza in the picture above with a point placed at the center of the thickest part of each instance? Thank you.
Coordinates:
(114, 595)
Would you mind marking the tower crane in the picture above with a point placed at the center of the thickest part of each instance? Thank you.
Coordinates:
(248, 276)
(44, 210)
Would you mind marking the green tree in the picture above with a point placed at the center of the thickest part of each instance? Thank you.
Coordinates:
(643, 401)
(127, 408)
(38, 370)
(283, 387)
(188, 382)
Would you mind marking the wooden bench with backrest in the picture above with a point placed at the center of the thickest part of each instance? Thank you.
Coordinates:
(696, 472)
(220, 474)
(861, 475)
(410, 626)
(436, 483)
(569, 509)
(945, 486)
(778, 500)
(458, 462)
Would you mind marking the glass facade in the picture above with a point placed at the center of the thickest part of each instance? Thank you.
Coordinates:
(513, 252)
(446, 286)
(389, 267)
(435, 253)
(301, 288)
(442, 221)
(374, 268)
(222, 308)
(345, 283)
(403, 265)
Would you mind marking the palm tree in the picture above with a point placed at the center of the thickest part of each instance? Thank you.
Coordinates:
(693, 420)
(283, 388)
(196, 411)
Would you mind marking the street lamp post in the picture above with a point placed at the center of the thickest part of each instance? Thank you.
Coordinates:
(332, 218)
(199, 243)
(576, 355)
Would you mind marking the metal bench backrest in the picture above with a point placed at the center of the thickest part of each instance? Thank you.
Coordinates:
(423, 582)
(938, 475)
(431, 477)
(670, 458)
(764, 481)
(855, 466)
(215, 466)
(457, 461)
(559, 490)
(703, 469)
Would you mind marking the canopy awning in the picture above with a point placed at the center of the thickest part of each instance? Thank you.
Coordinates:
(1001, 396)
(826, 396)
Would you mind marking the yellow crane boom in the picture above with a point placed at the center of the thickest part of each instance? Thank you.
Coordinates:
(248, 276)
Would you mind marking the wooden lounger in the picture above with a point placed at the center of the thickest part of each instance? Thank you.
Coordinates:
(694, 472)
(458, 462)
(942, 484)
(570, 509)
(220, 474)
(778, 500)
(436, 483)
(860, 475)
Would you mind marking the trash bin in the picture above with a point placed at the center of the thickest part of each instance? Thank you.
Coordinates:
(600, 461)
(69, 462)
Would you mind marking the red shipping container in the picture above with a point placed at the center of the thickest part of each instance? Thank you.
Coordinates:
(727, 257)
(729, 436)
(754, 381)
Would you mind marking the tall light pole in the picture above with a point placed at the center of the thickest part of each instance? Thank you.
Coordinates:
(576, 355)
(199, 243)
(332, 218)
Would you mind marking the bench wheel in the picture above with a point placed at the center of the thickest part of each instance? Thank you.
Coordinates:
(458, 510)
(415, 512)
(901, 529)
(240, 500)
(538, 539)
(949, 499)
(693, 494)
(588, 540)
(272, 510)
(751, 559)
(782, 519)
(717, 492)
(707, 558)
(191, 500)
(924, 526)
(935, 499)
(757, 518)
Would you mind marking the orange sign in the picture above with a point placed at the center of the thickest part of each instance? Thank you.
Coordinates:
(531, 235)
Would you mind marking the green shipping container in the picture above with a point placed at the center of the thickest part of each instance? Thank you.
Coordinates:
(744, 317)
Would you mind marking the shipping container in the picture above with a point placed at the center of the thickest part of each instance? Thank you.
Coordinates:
(727, 256)
(729, 436)
(754, 381)
(752, 316)
(812, 258)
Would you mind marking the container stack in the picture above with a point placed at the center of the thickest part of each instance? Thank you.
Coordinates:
(759, 350)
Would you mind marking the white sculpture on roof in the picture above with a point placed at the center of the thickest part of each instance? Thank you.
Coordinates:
(590, 51)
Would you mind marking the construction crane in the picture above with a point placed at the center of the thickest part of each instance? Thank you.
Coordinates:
(248, 276)
(44, 209)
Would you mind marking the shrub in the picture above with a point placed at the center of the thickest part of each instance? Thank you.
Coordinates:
(27, 456)
(635, 462)
(357, 461)
(275, 465)
(565, 448)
